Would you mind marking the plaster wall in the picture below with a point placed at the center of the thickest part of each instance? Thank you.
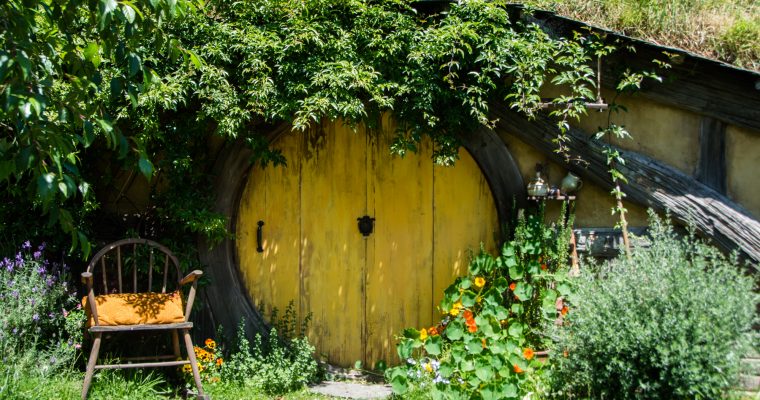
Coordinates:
(742, 166)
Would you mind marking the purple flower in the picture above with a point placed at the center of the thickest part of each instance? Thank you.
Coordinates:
(14, 294)
(42, 246)
(49, 281)
(26, 245)
(8, 264)
(53, 360)
(36, 317)
(41, 270)
(15, 331)
(37, 255)
(51, 315)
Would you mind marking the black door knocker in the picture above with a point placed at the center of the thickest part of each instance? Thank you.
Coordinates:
(366, 224)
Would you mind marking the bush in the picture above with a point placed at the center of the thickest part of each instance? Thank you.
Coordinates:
(40, 321)
(283, 364)
(671, 322)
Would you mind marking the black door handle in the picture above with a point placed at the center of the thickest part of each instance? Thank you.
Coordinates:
(259, 235)
(366, 225)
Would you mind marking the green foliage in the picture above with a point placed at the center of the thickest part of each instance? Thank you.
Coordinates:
(278, 365)
(484, 348)
(134, 81)
(53, 61)
(671, 322)
(40, 321)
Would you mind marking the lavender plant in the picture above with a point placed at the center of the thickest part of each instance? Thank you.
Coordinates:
(40, 317)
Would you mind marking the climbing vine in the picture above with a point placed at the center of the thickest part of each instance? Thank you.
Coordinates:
(234, 69)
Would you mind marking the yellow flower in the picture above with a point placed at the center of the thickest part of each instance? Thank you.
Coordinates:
(428, 367)
(455, 309)
(423, 334)
(480, 281)
(210, 344)
(187, 369)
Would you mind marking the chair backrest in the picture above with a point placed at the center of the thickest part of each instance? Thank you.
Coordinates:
(134, 258)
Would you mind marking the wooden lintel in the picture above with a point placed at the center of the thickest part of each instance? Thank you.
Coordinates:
(650, 183)
(711, 169)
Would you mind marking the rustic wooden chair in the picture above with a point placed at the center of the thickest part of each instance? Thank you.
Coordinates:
(117, 309)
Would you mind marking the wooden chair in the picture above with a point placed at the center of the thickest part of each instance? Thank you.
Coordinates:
(119, 309)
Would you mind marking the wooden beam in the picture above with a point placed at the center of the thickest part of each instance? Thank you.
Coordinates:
(711, 169)
(651, 183)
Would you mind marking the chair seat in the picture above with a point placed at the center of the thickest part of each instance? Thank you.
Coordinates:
(134, 309)
(141, 327)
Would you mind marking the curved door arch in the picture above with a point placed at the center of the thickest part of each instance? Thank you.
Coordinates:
(361, 291)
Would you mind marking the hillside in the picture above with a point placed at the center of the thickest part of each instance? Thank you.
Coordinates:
(727, 30)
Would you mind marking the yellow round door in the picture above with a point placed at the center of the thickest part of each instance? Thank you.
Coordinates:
(298, 236)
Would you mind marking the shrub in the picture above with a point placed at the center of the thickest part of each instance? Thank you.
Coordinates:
(40, 321)
(282, 364)
(671, 322)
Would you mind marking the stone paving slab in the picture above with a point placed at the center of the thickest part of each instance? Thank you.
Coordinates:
(352, 390)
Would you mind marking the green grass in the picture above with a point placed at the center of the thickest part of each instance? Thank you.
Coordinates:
(19, 384)
(727, 30)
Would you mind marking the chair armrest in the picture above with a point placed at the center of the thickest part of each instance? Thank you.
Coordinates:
(87, 277)
(191, 277)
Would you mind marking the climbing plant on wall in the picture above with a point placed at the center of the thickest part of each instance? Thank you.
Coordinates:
(136, 80)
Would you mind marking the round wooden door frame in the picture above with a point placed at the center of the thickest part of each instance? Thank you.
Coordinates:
(227, 296)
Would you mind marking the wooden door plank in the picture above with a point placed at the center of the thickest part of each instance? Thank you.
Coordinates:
(272, 196)
(399, 274)
(465, 216)
(333, 196)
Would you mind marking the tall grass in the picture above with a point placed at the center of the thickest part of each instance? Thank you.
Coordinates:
(728, 30)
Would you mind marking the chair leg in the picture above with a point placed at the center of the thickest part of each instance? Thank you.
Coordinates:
(175, 344)
(193, 361)
(91, 364)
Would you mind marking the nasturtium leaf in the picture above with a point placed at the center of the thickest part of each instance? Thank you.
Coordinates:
(501, 284)
(454, 330)
(466, 365)
(484, 373)
(509, 391)
(468, 298)
(517, 308)
(411, 333)
(516, 271)
(515, 329)
(564, 288)
(465, 283)
(458, 352)
(404, 348)
(398, 380)
(492, 297)
(474, 346)
(433, 345)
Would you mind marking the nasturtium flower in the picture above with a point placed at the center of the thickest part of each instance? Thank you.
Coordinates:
(432, 331)
(528, 353)
(512, 286)
(423, 334)
(479, 281)
(468, 316)
(517, 369)
(456, 308)
(472, 328)
(564, 310)
(544, 267)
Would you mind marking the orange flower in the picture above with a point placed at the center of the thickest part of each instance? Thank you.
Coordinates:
(219, 362)
(432, 331)
(565, 353)
(468, 315)
(210, 344)
(544, 267)
(564, 310)
(472, 328)
(528, 353)
(517, 369)
(483, 341)
(479, 282)
(512, 286)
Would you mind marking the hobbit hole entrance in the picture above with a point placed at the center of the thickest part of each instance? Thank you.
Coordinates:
(361, 290)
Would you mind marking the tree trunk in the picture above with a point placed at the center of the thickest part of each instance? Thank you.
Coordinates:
(650, 183)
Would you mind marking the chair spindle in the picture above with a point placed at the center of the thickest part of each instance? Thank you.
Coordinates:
(118, 266)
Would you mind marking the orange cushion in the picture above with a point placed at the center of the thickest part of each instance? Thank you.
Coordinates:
(136, 308)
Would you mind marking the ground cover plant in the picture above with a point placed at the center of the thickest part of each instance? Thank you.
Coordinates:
(485, 345)
(671, 322)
